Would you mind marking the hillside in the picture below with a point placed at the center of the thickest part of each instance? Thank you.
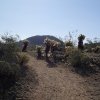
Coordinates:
(38, 40)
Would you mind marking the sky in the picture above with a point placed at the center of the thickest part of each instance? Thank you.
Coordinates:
(53, 17)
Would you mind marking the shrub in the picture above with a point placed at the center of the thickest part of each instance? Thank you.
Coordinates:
(8, 49)
(68, 50)
(8, 74)
(79, 59)
(9, 67)
(69, 43)
(15, 70)
(22, 58)
(5, 68)
(97, 49)
(9, 42)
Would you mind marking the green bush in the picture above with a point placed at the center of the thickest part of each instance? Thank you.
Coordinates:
(79, 59)
(9, 73)
(97, 49)
(5, 68)
(22, 58)
(8, 49)
(69, 43)
(9, 66)
(68, 51)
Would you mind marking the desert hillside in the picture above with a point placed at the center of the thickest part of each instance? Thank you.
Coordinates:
(38, 40)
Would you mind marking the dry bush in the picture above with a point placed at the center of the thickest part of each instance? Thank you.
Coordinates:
(97, 49)
(22, 58)
(68, 52)
(9, 67)
(79, 59)
(81, 62)
(9, 73)
(69, 43)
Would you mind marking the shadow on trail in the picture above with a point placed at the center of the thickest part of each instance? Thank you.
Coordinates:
(15, 91)
(28, 79)
(84, 71)
(51, 64)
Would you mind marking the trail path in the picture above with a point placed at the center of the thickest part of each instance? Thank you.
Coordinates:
(54, 83)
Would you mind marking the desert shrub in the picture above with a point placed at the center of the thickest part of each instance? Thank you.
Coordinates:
(68, 51)
(5, 68)
(79, 59)
(97, 49)
(9, 67)
(90, 45)
(69, 43)
(15, 70)
(10, 42)
(8, 49)
(8, 74)
(22, 58)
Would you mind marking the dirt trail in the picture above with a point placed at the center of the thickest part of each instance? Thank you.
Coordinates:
(54, 83)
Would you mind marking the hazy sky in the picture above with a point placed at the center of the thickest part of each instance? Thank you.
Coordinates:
(55, 17)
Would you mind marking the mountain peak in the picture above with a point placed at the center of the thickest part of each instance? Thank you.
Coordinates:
(38, 39)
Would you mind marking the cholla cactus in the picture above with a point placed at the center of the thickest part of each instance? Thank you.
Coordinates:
(39, 51)
(25, 42)
(54, 45)
(47, 42)
(80, 41)
(97, 49)
(51, 44)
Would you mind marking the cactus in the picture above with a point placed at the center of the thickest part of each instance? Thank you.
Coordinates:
(39, 51)
(25, 42)
(80, 42)
(47, 48)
